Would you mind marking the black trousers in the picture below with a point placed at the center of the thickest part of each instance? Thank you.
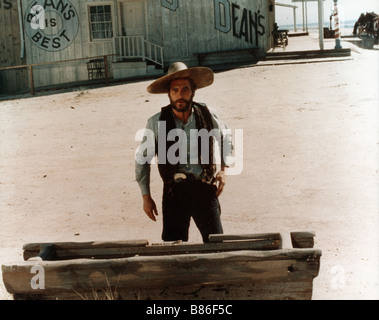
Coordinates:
(188, 199)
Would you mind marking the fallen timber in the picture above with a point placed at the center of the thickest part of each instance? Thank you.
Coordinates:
(227, 267)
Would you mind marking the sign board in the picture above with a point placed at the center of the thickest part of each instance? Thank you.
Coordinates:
(51, 25)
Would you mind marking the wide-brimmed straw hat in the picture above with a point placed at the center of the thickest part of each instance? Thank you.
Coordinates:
(202, 77)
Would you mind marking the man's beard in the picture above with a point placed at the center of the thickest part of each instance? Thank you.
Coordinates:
(188, 105)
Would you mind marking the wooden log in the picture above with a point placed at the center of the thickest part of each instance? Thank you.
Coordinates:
(48, 252)
(111, 250)
(86, 245)
(302, 239)
(281, 268)
(34, 249)
(299, 290)
(243, 237)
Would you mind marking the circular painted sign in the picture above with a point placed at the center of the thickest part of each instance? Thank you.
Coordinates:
(51, 25)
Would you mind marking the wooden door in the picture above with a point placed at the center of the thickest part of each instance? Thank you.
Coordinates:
(133, 18)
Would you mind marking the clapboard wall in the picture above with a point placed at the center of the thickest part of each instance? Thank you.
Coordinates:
(193, 26)
(182, 28)
(79, 46)
(10, 48)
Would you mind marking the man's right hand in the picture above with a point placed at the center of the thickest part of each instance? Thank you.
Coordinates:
(150, 207)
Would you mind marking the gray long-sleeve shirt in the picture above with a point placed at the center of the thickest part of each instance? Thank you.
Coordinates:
(188, 146)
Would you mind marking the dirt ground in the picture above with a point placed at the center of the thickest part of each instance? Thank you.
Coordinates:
(310, 162)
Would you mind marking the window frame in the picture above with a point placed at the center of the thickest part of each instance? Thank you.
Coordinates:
(91, 23)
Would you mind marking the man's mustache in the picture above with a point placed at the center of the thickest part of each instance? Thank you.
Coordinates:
(181, 101)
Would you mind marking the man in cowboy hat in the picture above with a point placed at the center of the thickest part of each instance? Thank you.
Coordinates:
(192, 185)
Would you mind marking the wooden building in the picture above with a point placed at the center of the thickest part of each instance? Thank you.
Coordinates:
(65, 40)
(10, 48)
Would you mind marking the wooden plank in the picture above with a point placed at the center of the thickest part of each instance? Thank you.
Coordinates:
(3, 57)
(141, 272)
(302, 239)
(106, 70)
(91, 244)
(9, 80)
(310, 52)
(31, 79)
(112, 250)
(299, 57)
(237, 237)
(73, 249)
(296, 290)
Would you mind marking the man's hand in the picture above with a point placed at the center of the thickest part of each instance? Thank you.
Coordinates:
(220, 182)
(149, 207)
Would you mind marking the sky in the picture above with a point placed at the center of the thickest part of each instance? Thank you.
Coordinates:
(347, 10)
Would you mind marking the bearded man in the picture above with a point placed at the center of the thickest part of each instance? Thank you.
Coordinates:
(191, 185)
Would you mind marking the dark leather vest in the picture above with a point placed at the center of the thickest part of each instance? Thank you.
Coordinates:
(203, 121)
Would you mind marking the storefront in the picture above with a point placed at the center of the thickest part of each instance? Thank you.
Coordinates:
(140, 37)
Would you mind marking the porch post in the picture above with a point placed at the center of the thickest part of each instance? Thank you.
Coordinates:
(321, 23)
(31, 79)
(143, 48)
(302, 7)
(306, 16)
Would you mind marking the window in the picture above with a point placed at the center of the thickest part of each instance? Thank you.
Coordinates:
(101, 22)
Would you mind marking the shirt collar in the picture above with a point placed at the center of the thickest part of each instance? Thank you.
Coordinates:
(181, 123)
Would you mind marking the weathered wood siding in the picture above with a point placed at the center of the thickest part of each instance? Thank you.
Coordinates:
(10, 49)
(192, 26)
(80, 45)
(183, 28)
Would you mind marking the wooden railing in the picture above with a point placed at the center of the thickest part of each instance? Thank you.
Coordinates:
(154, 53)
(30, 67)
(128, 47)
(137, 47)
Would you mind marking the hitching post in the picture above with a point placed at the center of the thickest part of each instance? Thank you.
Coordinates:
(337, 33)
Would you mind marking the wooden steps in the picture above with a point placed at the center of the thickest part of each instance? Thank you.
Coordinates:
(307, 54)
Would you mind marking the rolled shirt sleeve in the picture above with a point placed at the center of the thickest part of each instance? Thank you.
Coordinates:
(145, 155)
(226, 148)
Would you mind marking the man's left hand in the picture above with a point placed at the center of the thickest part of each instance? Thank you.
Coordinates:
(220, 182)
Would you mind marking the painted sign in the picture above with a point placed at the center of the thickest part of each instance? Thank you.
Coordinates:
(246, 24)
(229, 16)
(6, 4)
(51, 25)
(170, 4)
